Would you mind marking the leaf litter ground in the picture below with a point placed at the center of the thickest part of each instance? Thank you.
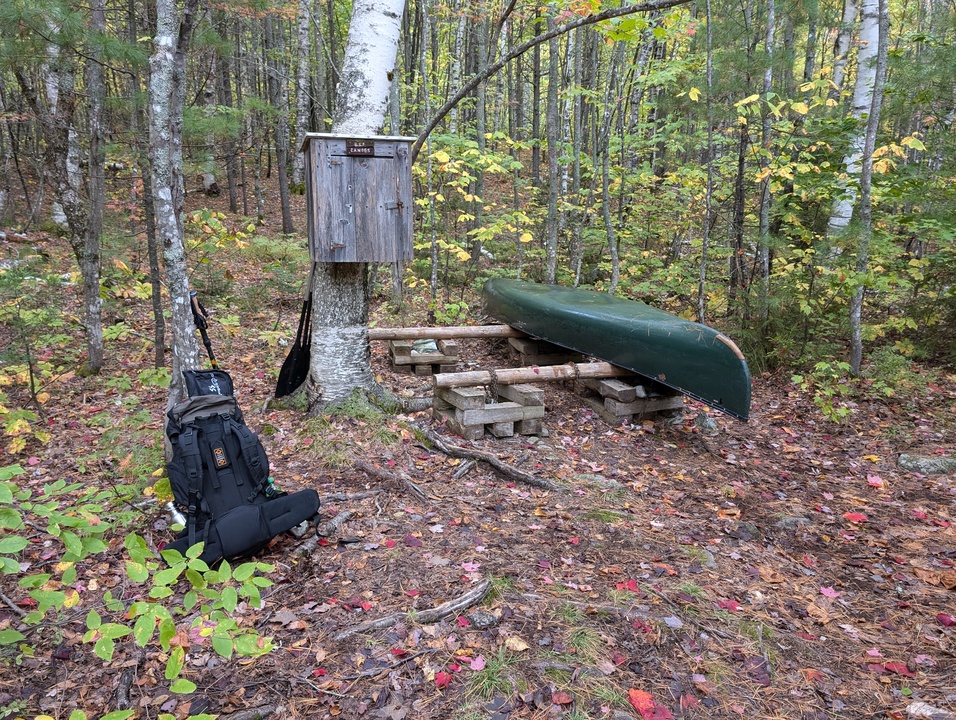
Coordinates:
(782, 568)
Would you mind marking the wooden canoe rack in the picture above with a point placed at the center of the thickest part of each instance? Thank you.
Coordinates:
(505, 402)
(431, 350)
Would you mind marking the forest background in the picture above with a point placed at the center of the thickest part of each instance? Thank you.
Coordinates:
(781, 170)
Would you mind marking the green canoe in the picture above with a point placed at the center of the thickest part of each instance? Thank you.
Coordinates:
(689, 357)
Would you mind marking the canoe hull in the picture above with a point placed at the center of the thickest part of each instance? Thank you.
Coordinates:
(689, 357)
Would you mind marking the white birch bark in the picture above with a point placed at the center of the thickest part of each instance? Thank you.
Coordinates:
(302, 86)
(842, 46)
(166, 99)
(866, 177)
(340, 348)
(454, 81)
(842, 210)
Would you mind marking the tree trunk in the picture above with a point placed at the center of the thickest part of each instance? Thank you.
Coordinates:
(340, 349)
(842, 210)
(841, 47)
(279, 97)
(866, 177)
(302, 85)
(763, 235)
(166, 101)
(554, 136)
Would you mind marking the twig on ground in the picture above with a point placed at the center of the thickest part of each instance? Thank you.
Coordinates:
(346, 497)
(508, 471)
(371, 672)
(126, 683)
(400, 479)
(250, 713)
(12, 605)
(431, 615)
(333, 525)
(329, 527)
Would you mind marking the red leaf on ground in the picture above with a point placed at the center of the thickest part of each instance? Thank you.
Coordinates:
(946, 620)
(642, 702)
(390, 543)
(899, 668)
(463, 621)
(413, 593)
(629, 585)
(442, 679)
(830, 592)
(728, 604)
(855, 517)
(412, 541)
(560, 697)
(574, 541)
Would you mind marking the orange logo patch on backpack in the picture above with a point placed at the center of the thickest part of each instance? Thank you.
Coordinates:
(219, 454)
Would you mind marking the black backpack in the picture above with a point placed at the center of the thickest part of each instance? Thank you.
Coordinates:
(219, 474)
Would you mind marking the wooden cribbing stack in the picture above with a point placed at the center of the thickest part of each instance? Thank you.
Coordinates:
(462, 398)
(431, 350)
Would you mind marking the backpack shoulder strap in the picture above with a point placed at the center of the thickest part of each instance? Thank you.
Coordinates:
(192, 460)
(249, 444)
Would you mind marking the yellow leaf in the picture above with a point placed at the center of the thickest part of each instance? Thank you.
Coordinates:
(18, 427)
(912, 142)
(747, 100)
(158, 472)
(62, 567)
(694, 94)
(741, 120)
(43, 397)
(516, 644)
(872, 458)
(441, 156)
(800, 107)
(526, 237)
(72, 598)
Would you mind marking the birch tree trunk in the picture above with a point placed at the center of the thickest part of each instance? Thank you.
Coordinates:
(843, 205)
(166, 100)
(340, 349)
(554, 137)
(866, 176)
(841, 48)
(302, 85)
(279, 97)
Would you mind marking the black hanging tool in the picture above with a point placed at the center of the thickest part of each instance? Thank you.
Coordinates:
(295, 368)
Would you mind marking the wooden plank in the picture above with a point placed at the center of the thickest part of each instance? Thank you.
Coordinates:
(523, 393)
(645, 405)
(513, 376)
(499, 412)
(475, 432)
(531, 426)
(467, 398)
(616, 389)
(440, 333)
(502, 429)
(448, 347)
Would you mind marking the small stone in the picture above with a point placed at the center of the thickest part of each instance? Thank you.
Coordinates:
(482, 620)
(793, 522)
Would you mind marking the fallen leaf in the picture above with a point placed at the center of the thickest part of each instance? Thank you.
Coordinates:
(559, 697)
(855, 517)
(516, 644)
(478, 663)
(945, 620)
(830, 592)
(442, 679)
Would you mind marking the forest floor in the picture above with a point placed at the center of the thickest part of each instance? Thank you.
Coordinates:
(786, 567)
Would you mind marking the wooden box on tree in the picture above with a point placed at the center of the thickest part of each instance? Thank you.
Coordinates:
(358, 198)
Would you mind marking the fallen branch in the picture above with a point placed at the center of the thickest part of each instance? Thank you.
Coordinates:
(12, 605)
(346, 497)
(426, 617)
(250, 713)
(508, 471)
(400, 479)
(333, 525)
(126, 683)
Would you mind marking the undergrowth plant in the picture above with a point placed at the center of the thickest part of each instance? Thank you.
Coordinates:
(172, 602)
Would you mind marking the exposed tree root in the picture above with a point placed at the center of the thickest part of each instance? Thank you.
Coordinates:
(432, 615)
(501, 467)
(397, 478)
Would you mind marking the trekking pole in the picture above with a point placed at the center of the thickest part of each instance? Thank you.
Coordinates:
(199, 317)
